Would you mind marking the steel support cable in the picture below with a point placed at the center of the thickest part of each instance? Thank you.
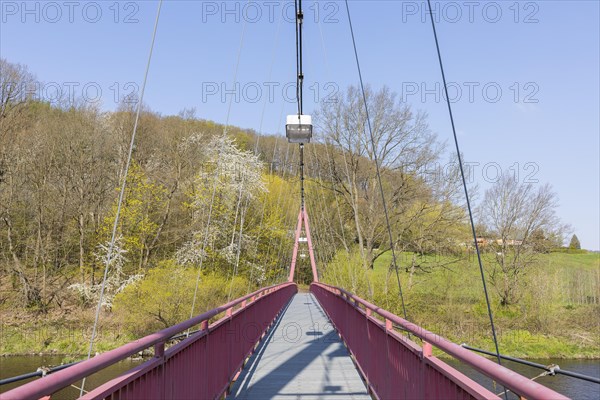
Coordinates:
(318, 221)
(234, 229)
(225, 130)
(377, 167)
(299, 87)
(111, 247)
(464, 183)
(260, 128)
(337, 202)
(235, 73)
(325, 220)
(288, 219)
(337, 205)
(330, 158)
(328, 72)
(237, 260)
(324, 207)
(279, 196)
(330, 162)
(326, 144)
(205, 241)
(550, 369)
(237, 211)
(279, 208)
(277, 204)
(243, 211)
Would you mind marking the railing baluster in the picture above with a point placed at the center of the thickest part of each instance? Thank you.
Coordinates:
(427, 349)
(396, 367)
(170, 374)
(159, 350)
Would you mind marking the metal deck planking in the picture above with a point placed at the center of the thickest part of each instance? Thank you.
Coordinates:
(301, 357)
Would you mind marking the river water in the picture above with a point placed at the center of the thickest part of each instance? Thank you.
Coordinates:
(573, 388)
(19, 365)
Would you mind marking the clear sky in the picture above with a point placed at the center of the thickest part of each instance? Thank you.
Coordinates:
(524, 75)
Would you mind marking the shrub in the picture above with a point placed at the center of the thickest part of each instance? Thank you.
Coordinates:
(164, 297)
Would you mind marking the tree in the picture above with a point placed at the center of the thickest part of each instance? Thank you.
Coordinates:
(139, 218)
(16, 84)
(403, 145)
(116, 280)
(515, 212)
(162, 298)
(224, 190)
(574, 244)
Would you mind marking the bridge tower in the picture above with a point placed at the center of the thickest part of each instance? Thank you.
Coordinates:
(303, 223)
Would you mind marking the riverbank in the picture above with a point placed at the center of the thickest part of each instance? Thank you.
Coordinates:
(70, 340)
(558, 316)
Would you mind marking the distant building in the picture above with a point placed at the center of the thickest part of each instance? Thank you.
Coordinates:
(483, 242)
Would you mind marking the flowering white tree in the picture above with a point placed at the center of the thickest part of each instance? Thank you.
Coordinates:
(116, 280)
(224, 188)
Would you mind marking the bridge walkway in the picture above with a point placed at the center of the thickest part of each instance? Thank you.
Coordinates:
(301, 357)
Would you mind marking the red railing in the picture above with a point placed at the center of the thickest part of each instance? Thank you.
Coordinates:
(199, 367)
(397, 368)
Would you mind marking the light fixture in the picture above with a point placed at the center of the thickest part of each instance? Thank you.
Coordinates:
(298, 128)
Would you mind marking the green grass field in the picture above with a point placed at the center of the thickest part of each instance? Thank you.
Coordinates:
(558, 314)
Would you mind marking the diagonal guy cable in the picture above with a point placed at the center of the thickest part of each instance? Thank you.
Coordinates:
(376, 159)
(122, 193)
(464, 182)
(214, 189)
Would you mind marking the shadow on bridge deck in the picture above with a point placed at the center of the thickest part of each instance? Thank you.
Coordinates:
(301, 357)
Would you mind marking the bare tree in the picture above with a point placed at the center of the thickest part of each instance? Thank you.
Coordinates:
(514, 212)
(403, 144)
(16, 85)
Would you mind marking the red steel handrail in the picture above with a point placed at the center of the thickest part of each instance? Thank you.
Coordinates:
(61, 379)
(510, 379)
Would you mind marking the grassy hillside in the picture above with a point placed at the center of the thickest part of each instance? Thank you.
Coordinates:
(558, 314)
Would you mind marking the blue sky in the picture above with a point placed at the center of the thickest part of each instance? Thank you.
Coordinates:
(525, 75)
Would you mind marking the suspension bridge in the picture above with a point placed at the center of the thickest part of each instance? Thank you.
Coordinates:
(279, 343)
(276, 343)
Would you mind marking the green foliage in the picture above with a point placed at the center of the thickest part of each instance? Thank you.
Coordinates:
(138, 222)
(346, 270)
(557, 316)
(569, 251)
(574, 244)
(62, 336)
(164, 297)
(61, 169)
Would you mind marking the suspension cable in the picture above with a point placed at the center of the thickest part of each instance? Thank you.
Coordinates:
(256, 143)
(277, 208)
(113, 239)
(376, 159)
(330, 163)
(215, 177)
(325, 221)
(464, 183)
(288, 219)
(299, 87)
